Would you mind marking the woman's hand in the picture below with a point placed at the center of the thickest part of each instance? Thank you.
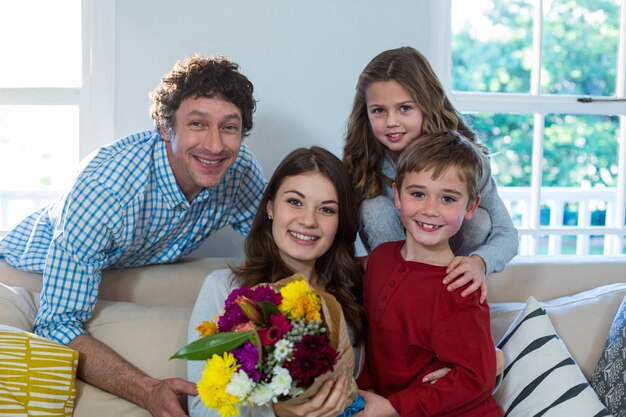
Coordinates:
(376, 406)
(329, 401)
(464, 269)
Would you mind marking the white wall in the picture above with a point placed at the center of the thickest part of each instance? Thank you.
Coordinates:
(303, 57)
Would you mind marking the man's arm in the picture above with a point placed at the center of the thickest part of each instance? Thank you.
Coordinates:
(102, 367)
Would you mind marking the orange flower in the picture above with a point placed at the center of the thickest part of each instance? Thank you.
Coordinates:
(207, 328)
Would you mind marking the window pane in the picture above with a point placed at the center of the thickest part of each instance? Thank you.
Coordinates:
(38, 147)
(580, 151)
(492, 45)
(48, 53)
(509, 138)
(580, 40)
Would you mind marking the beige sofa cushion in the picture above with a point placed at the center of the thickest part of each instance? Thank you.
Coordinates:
(582, 321)
(145, 335)
(17, 308)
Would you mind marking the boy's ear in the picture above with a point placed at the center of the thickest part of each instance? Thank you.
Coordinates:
(396, 196)
(472, 208)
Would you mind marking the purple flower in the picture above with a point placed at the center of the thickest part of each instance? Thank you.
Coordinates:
(248, 356)
(266, 293)
(232, 313)
(312, 357)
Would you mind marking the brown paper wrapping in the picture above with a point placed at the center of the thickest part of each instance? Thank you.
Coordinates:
(339, 339)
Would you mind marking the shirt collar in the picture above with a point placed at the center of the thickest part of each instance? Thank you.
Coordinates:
(166, 180)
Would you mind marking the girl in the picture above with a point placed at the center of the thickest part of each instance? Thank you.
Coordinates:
(306, 224)
(398, 98)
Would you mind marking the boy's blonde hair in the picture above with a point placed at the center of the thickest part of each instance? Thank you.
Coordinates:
(440, 151)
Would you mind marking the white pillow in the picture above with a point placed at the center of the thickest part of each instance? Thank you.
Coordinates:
(540, 377)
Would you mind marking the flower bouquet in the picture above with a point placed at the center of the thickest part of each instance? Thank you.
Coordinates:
(273, 342)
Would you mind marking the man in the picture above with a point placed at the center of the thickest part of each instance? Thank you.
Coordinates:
(149, 198)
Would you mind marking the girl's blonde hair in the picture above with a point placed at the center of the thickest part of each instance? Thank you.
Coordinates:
(363, 154)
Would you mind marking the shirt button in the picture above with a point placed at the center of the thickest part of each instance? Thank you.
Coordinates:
(401, 268)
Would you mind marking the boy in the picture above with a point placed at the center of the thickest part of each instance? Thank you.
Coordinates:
(415, 326)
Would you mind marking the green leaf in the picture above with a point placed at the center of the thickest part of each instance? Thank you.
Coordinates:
(215, 344)
(268, 309)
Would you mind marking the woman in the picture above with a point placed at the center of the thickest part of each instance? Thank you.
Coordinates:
(307, 224)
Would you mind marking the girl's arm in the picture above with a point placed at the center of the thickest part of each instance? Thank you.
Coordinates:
(502, 242)
(500, 245)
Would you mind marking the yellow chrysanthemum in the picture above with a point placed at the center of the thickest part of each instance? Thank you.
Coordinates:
(299, 300)
(212, 386)
(207, 328)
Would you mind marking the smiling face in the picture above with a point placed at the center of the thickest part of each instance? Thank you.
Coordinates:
(393, 114)
(206, 141)
(433, 210)
(305, 214)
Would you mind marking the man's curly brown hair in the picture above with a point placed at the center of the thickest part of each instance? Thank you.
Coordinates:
(200, 76)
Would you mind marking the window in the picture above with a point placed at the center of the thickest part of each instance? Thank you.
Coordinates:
(544, 84)
(56, 75)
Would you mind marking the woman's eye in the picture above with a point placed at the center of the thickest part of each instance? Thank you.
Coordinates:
(328, 210)
(405, 107)
(294, 202)
(377, 110)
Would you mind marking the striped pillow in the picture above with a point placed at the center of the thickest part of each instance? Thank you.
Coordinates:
(540, 377)
(36, 375)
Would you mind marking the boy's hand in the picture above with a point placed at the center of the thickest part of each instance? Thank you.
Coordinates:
(464, 269)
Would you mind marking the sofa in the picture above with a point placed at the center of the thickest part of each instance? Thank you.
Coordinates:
(143, 312)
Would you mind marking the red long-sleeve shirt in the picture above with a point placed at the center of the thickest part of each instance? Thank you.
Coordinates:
(416, 326)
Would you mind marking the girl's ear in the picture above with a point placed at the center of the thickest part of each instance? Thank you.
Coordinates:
(472, 208)
(270, 209)
(396, 196)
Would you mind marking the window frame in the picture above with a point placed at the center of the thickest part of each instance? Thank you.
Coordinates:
(95, 97)
(539, 106)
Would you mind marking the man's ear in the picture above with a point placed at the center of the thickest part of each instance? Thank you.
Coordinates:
(472, 208)
(396, 196)
(164, 134)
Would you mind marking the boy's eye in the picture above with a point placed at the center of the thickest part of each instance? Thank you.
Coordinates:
(417, 194)
(448, 199)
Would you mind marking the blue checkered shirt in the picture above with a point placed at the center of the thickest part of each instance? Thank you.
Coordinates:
(125, 209)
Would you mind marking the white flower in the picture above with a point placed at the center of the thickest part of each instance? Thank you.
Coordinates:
(262, 394)
(282, 349)
(281, 382)
(240, 385)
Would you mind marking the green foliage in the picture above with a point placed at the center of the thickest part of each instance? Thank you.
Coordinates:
(580, 39)
(216, 344)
